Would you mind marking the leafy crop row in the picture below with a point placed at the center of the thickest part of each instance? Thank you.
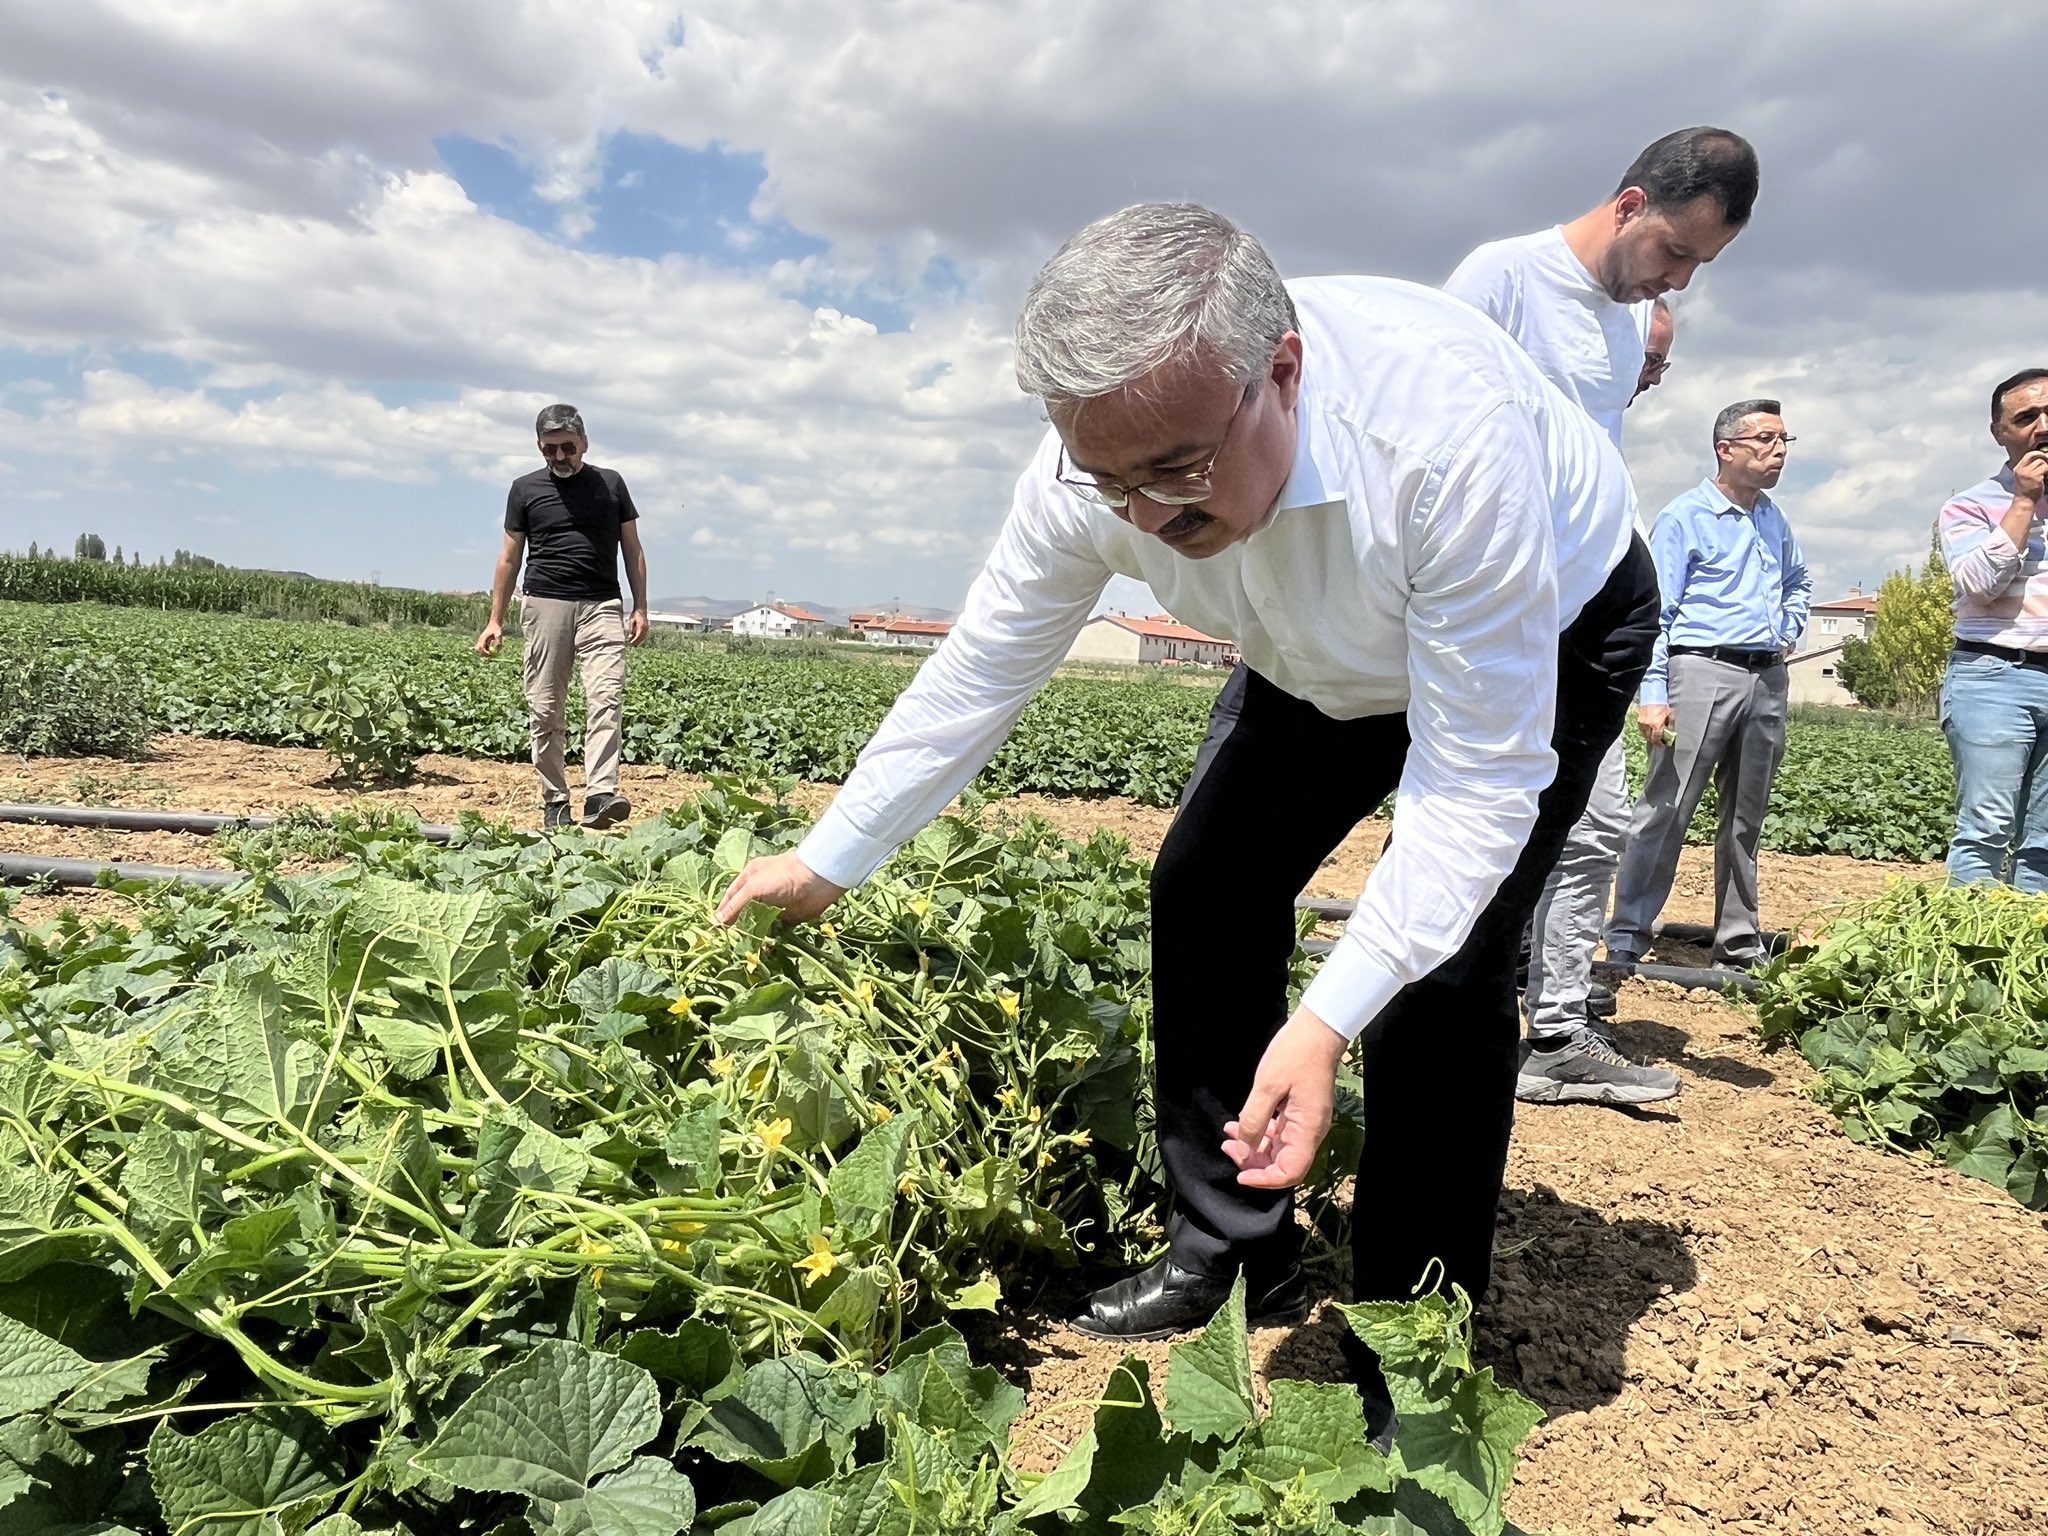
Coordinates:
(225, 589)
(1926, 1012)
(1867, 794)
(458, 1187)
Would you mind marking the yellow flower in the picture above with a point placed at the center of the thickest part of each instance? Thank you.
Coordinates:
(1034, 1114)
(685, 1228)
(866, 993)
(1045, 1159)
(1007, 1001)
(882, 1112)
(720, 1064)
(682, 1005)
(753, 959)
(828, 930)
(597, 1277)
(819, 1262)
(682, 1249)
(921, 905)
(1006, 1097)
(907, 1185)
(1081, 1138)
(773, 1133)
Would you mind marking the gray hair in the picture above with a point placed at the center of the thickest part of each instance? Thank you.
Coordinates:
(559, 418)
(1729, 422)
(1151, 285)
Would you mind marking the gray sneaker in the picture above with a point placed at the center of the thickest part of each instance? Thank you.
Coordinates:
(1585, 1069)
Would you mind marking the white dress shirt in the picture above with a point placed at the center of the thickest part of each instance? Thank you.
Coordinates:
(1542, 295)
(1448, 512)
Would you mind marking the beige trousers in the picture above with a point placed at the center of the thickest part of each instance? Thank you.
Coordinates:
(560, 632)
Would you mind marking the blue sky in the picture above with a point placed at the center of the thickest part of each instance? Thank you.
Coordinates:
(287, 287)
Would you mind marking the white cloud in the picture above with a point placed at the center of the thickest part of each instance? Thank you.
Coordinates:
(229, 220)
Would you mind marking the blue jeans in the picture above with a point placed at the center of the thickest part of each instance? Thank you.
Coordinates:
(1995, 715)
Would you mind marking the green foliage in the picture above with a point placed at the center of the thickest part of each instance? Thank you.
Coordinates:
(65, 697)
(1900, 666)
(193, 582)
(517, 1191)
(1926, 1013)
(1846, 789)
(368, 722)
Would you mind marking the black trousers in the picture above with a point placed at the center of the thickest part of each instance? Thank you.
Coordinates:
(1277, 785)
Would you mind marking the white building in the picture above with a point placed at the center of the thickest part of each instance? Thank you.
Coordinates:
(1159, 639)
(1811, 677)
(1846, 618)
(692, 623)
(780, 621)
(921, 634)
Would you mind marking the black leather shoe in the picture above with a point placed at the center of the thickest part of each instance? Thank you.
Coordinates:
(606, 810)
(1159, 1302)
(1381, 1421)
(555, 814)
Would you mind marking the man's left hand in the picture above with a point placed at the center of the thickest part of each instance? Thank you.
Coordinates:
(636, 626)
(1276, 1135)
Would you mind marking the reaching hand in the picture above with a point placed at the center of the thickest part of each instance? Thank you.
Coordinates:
(1654, 720)
(781, 880)
(493, 636)
(1276, 1135)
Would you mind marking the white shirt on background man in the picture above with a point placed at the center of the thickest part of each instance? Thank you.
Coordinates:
(1448, 512)
(1537, 291)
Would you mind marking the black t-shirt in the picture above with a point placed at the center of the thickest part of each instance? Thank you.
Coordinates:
(572, 531)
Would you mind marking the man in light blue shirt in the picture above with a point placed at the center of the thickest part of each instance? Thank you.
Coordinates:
(1736, 594)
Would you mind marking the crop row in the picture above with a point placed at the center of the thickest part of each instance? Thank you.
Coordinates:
(1864, 793)
(494, 1187)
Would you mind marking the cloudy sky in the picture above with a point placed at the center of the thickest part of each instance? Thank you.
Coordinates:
(285, 282)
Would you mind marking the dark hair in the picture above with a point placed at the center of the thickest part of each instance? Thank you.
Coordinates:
(558, 418)
(2024, 376)
(1694, 163)
(1731, 416)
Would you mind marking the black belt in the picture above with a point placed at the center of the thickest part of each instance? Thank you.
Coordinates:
(2004, 653)
(1735, 656)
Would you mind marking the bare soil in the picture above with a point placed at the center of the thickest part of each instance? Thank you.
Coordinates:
(1737, 1319)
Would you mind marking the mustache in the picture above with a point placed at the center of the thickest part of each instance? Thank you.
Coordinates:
(1186, 523)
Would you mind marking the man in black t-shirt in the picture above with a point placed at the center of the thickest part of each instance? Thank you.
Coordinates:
(569, 521)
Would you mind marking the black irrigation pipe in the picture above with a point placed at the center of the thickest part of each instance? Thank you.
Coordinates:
(24, 869)
(1699, 979)
(163, 821)
(1683, 933)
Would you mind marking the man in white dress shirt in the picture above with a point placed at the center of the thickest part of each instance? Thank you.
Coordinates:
(1581, 299)
(1428, 558)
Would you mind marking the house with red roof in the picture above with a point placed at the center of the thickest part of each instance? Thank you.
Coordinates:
(895, 629)
(780, 621)
(1158, 639)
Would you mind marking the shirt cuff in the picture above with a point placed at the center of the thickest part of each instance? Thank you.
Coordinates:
(1654, 690)
(1350, 990)
(840, 851)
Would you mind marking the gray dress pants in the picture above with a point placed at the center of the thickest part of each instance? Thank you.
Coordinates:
(1730, 725)
(1571, 916)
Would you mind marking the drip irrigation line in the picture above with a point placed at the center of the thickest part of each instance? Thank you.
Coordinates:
(1682, 933)
(22, 869)
(118, 820)
(1694, 978)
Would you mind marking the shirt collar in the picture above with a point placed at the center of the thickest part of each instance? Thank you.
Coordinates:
(1305, 485)
(1719, 500)
(2005, 478)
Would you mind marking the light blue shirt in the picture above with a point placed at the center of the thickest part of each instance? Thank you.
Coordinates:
(1728, 577)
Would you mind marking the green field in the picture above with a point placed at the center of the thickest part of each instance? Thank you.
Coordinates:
(1843, 789)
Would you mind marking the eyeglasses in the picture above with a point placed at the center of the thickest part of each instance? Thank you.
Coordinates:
(1765, 439)
(563, 450)
(1181, 490)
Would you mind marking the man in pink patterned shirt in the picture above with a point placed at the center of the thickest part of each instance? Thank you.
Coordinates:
(1994, 697)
